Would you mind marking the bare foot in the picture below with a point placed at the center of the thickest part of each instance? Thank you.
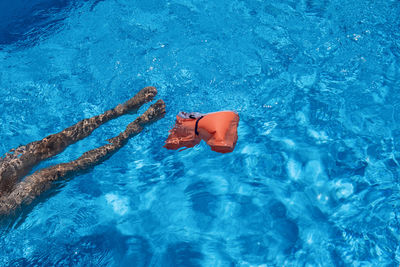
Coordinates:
(155, 112)
(143, 96)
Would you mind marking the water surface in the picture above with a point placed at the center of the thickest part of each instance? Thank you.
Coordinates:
(313, 180)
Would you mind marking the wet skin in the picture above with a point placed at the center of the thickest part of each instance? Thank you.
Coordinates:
(15, 165)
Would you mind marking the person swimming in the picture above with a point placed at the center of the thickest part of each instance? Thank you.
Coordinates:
(19, 162)
(217, 129)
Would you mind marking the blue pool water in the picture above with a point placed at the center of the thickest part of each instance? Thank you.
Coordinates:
(314, 178)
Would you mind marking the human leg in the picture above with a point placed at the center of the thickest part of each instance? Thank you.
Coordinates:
(15, 165)
(33, 185)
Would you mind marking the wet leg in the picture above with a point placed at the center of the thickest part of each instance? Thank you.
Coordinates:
(33, 185)
(15, 165)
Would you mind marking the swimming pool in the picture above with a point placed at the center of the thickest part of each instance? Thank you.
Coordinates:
(314, 178)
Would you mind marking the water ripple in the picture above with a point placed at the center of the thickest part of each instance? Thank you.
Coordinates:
(313, 180)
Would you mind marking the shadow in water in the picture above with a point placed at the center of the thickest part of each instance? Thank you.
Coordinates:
(26, 22)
